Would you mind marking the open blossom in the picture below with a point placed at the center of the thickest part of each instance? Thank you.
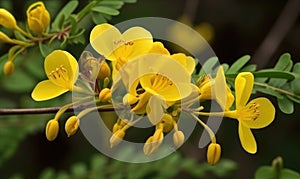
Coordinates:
(38, 17)
(256, 114)
(62, 70)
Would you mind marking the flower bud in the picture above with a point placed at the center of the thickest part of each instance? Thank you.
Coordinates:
(9, 68)
(153, 142)
(52, 129)
(129, 99)
(167, 121)
(4, 38)
(213, 153)
(71, 125)
(116, 138)
(178, 138)
(104, 71)
(105, 95)
(7, 20)
(38, 17)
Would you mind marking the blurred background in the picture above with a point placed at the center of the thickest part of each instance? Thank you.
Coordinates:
(233, 28)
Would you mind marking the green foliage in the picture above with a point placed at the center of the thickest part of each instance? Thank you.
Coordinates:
(275, 172)
(279, 81)
(102, 167)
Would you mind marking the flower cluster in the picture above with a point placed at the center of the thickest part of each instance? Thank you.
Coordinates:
(158, 87)
(38, 21)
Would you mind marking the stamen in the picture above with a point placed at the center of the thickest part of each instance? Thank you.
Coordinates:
(250, 111)
(60, 76)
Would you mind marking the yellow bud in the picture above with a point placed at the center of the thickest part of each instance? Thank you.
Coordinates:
(129, 99)
(153, 142)
(52, 129)
(167, 121)
(7, 20)
(104, 71)
(116, 138)
(9, 68)
(213, 153)
(38, 17)
(178, 138)
(105, 95)
(4, 38)
(71, 125)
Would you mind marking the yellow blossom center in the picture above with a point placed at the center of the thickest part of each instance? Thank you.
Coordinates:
(60, 77)
(159, 83)
(249, 112)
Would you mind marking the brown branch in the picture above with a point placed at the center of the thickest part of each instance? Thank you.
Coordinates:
(277, 33)
(44, 110)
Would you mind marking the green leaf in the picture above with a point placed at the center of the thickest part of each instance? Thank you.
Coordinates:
(98, 18)
(289, 174)
(208, 65)
(268, 91)
(106, 10)
(129, 1)
(249, 68)
(48, 173)
(113, 4)
(64, 13)
(270, 73)
(73, 29)
(295, 84)
(225, 67)
(264, 172)
(19, 36)
(237, 65)
(97, 162)
(284, 64)
(295, 99)
(285, 105)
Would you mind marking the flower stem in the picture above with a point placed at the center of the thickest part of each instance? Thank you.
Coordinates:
(209, 131)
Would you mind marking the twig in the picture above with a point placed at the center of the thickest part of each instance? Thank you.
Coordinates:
(44, 110)
(277, 33)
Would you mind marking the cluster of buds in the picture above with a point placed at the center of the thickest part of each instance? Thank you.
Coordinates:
(38, 20)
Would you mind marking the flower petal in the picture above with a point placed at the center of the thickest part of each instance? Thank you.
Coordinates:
(266, 114)
(45, 90)
(247, 139)
(158, 47)
(155, 108)
(105, 38)
(142, 41)
(62, 58)
(243, 88)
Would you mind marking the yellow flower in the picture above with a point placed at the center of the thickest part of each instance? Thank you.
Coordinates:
(7, 20)
(153, 142)
(105, 95)
(116, 138)
(38, 17)
(213, 153)
(178, 138)
(215, 88)
(9, 68)
(256, 114)
(52, 129)
(5, 39)
(104, 71)
(62, 70)
(71, 125)
(120, 48)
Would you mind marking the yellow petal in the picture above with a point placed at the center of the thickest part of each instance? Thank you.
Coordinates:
(7, 20)
(247, 139)
(243, 88)
(155, 108)
(266, 114)
(104, 38)
(141, 41)
(60, 58)
(158, 47)
(220, 88)
(47, 90)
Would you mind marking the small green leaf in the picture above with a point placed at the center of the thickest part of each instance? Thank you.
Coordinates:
(237, 65)
(289, 174)
(295, 99)
(285, 105)
(48, 173)
(284, 63)
(249, 68)
(113, 4)
(129, 1)
(208, 65)
(270, 73)
(295, 84)
(64, 13)
(225, 67)
(264, 172)
(97, 162)
(106, 10)
(73, 29)
(19, 36)
(268, 91)
(98, 18)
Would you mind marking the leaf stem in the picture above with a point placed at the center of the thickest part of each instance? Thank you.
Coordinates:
(279, 90)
